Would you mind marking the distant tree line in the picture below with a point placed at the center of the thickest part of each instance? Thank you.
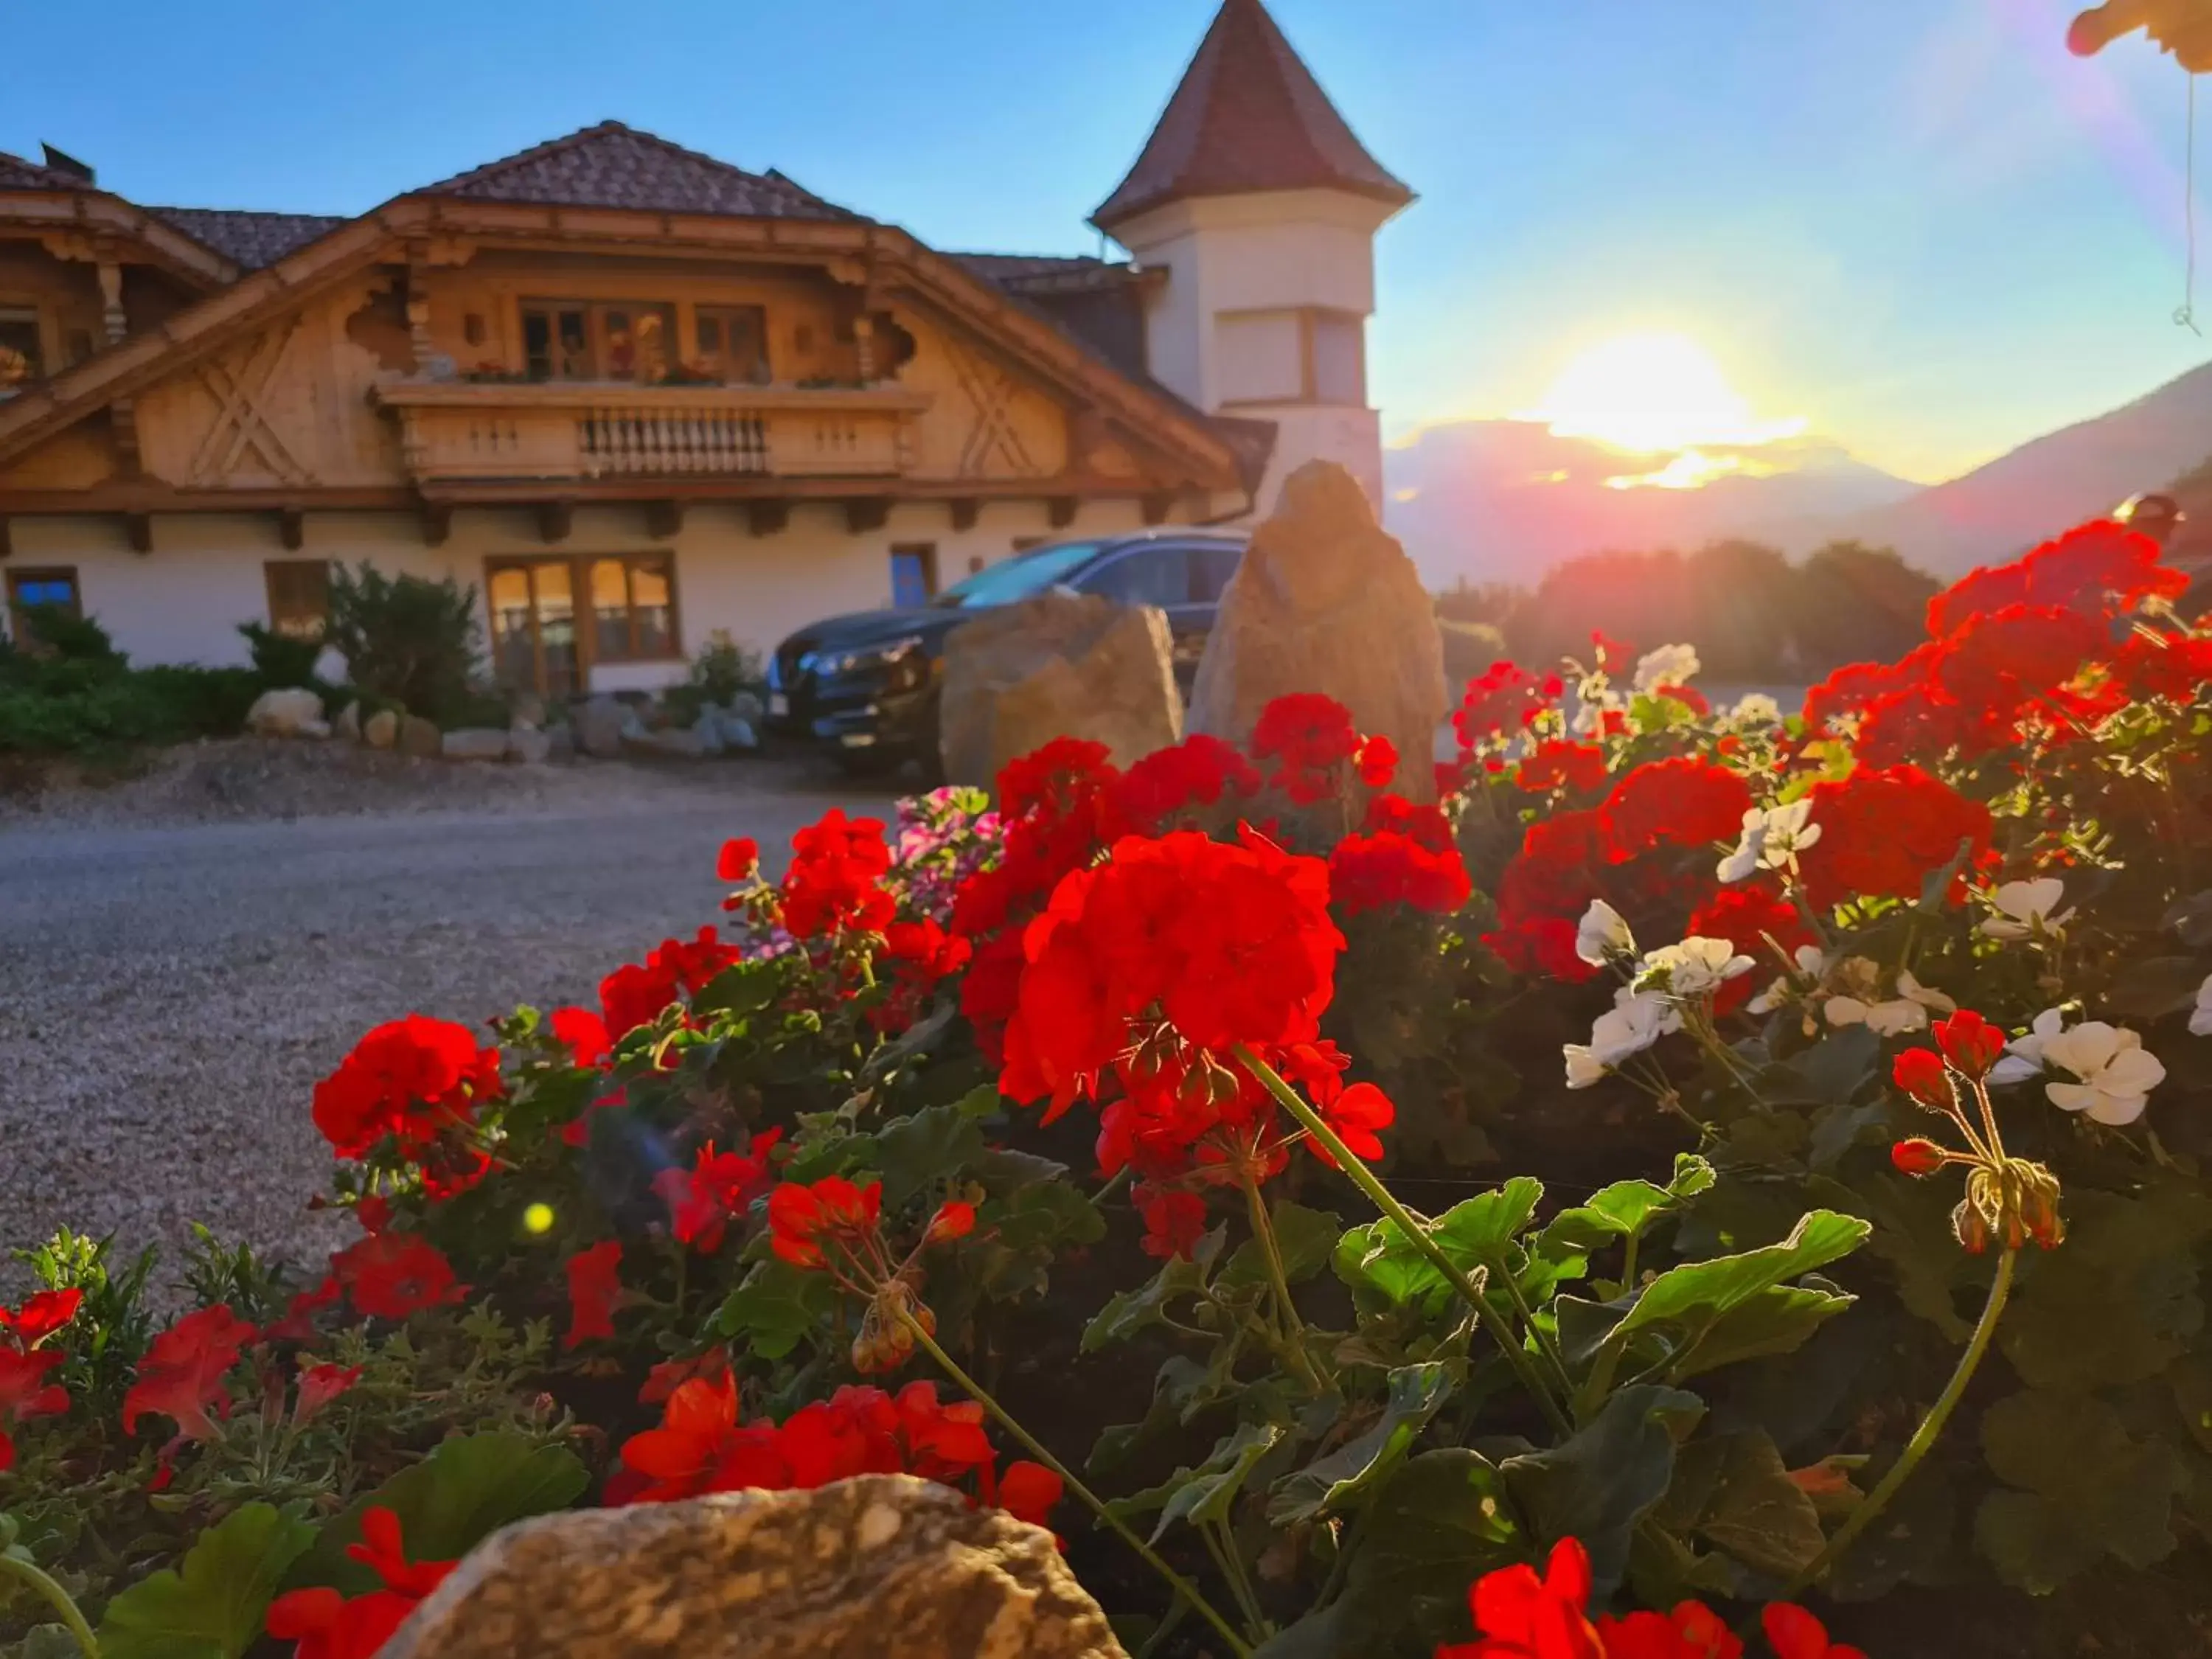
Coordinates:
(1752, 613)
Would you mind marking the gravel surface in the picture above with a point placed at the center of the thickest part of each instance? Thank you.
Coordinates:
(170, 989)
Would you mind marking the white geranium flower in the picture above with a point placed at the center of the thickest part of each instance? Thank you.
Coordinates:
(1770, 839)
(1602, 934)
(1906, 1010)
(2025, 908)
(1670, 664)
(1756, 708)
(2116, 1072)
(1636, 1021)
(1692, 968)
(1812, 962)
(1593, 702)
(2023, 1055)
(2200, 1020)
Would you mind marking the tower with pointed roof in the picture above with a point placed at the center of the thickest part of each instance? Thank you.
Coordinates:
(1260, 205)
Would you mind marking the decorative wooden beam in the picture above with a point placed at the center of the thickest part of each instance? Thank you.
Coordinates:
(1059, 511)
(437, 523)
(554, 520)
(663, 519)
(867, 512)
(1157, 506)
(7, 540)
(292, 528)
(966, 509)
(768, 515)
(139, 528)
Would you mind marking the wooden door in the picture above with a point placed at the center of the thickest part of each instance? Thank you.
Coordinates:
(534, 643)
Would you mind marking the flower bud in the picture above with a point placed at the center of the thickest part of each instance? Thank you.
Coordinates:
(1917, 1157)
(955, 1219)
(1968, 1227)
(2039, 1203)
(1970, 1043)
(1920, 1073)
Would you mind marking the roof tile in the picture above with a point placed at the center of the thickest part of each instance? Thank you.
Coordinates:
(614, 166)
(249, 240)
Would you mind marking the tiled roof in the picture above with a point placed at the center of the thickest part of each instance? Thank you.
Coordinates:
(614, 166)
(16, 174)
(1248, 116)
(247, 239)
(1050, 270)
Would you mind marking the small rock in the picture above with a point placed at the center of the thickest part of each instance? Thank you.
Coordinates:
(707, 728)
(529, 744)
(870, 1568)
(347, 724)
(738, 732)
(747, 708)
(381, 729)
(420, 737)
(600, 724)
(477, 743)
(526, 708)
(284, 712)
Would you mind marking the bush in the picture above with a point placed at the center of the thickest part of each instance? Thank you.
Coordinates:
(722, 669)
(1469, 647)
(407, 639)
(282, 659)
(1025, 1105)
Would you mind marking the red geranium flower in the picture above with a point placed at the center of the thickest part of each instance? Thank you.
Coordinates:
(321, 1384)
(414, 1078)
(739, 859)
(702, 1199)
(1029, 1491)
(1692, 1631)
(1794, 1633)
(665, 1378)
(1970, 1043)
(1356, 1114)
(1557, 763)
(700, 1447)
(1883, 831)
(1374, 873)
(955, 1219)
(1756, 921)
(24, 1390)
(1174, 1221)
(1679, 802)
(1423, 823)
(1520, 1616)
(1309, 736)
(1199, 771)
(1919, 1073)
(325, 1624)
(594, 1286)
(584, 1034)
(1505, 698)
(831, 883)
(801, 1217)
(41, 1314)
(1376, 763)
(1917, 1157)
(391, 1275)
(182, 1374)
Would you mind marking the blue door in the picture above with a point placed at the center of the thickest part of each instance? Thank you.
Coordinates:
(912, 581)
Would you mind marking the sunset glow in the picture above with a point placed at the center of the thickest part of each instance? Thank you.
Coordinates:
(1653, 393)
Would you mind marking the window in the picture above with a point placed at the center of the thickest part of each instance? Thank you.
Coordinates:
(609, 340)
(1299, 354)
(633, 607)
(22, 359)
(1151, 575)
(298, 596)
(914, 574)
(732, 344)
(28, 590)
(1211, 568)
(1338, 358)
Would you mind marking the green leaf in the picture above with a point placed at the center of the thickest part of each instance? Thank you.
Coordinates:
(1735, 1491)
(1127, 1312)
(1205, 1492)
(918, 1152)
(1597, 1485)
(1307, 1238)
(775, 1308)
(1476, 1233)
(2150, 988)
(2123, 1300)
(1738, 1307)
(449, 1502)
(211, 1604)
(1330, 1484)
(1430, 1530)
(1625, 1208)
(2090, 1489)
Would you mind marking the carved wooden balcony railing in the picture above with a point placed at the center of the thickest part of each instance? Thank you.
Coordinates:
(465, 431)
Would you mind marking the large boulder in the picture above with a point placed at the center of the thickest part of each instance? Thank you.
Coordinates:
(476, 742)
(1324, 600)
(289, 711)
(420, 737)
(870, 1568)
(1059, 666)
(381, 729)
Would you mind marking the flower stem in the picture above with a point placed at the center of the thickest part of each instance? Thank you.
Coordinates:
(1924, 1438)
(62, 1601)
(1292, 1331)
(1365, 1179)
(1036, 1448)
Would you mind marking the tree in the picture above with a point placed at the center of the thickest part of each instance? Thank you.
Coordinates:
(1859, 604)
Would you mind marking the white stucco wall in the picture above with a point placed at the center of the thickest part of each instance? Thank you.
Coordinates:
(183, 601)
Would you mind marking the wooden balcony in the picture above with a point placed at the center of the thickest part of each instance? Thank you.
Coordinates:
(470, 432)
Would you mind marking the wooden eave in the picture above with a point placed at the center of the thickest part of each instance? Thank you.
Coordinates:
(886, 258)
(97, 215)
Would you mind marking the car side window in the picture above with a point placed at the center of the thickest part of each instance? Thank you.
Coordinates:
(1211, 568)
(1150, 576)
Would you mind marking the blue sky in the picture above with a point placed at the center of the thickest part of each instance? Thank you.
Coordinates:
(1918, 223)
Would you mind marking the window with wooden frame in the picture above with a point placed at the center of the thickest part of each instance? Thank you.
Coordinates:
(298, 596)
(30, 591)
(598, 340)
(732, 344)
(632, 599)
(22, 348)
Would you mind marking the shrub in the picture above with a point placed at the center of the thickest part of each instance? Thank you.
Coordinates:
(1017, 1105)
(722, 669)
(1469, 647)
(406, 639)
(282, 659)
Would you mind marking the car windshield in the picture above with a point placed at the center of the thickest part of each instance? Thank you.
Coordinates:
(1018, 577)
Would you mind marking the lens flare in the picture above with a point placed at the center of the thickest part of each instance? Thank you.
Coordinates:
(537, 1219)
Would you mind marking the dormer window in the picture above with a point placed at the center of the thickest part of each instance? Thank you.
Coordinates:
(598, 340)
(21, 358)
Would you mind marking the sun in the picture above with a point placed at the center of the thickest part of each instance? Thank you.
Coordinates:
(1651, 393)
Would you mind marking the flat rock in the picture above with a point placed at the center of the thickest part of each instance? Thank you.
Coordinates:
(420, 737)
(1325, 600)
(870, 1568)
(1058, 665)
(381, 730)
(291, 711)
(475, 742)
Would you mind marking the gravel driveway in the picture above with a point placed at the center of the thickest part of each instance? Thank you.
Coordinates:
(169, 994)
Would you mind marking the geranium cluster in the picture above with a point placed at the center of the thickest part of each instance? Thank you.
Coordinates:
(410, 1091)
(29, 1358)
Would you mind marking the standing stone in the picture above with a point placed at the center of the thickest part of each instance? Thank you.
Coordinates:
(879, 1567)
(599, 724)
(420, 737)
(347, 724)
(530, 744)
(1324, 600)
(1059, 666)
(287, 712)
(381, 730)
(474, 742)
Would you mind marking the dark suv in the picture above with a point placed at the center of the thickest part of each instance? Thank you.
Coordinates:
(866, 685)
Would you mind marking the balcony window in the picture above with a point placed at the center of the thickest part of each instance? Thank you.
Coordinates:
(633, 608)
(21, 358)
(598, 340)
(733, 344)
